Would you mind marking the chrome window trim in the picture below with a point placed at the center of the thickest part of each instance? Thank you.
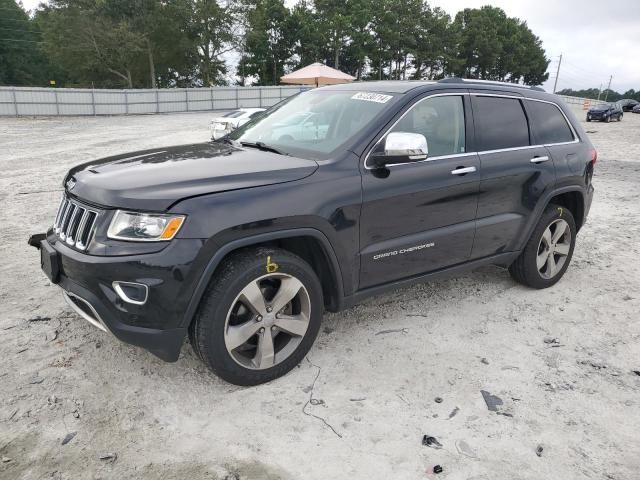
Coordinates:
(576, 139)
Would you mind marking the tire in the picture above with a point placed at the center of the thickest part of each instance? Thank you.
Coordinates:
(588, 119)
(525, 269)
(607, 119)
(224, 308)
(620, 117)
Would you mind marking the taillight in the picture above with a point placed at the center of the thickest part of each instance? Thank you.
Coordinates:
(594, 156)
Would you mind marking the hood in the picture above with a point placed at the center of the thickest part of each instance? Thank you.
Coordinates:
(155, 179)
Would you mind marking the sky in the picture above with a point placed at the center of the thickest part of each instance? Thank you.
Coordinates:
(597, 38)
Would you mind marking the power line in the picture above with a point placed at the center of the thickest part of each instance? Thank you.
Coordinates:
(20, 40)
(16, 30)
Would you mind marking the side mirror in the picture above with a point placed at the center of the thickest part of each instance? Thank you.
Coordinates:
(399, 147)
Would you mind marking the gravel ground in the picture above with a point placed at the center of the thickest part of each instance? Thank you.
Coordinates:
(561, 360)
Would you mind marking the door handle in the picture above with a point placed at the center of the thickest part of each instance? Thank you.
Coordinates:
(463, 170)
(540, 159)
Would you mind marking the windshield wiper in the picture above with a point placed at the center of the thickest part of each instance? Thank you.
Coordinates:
(263, 146)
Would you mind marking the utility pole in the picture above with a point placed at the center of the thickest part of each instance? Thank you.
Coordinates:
(555, 84)
(599, 92)
(606, 94)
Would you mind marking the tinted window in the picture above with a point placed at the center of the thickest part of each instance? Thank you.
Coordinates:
(548, 123)
(500, 123)
(440, 120)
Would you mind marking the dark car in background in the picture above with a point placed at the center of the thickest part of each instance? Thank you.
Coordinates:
(605, 112)
(628, 104)
(636, 109)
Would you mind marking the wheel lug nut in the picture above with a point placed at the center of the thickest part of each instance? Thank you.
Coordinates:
(269, 309)
(259, 318)
(262, 330)
(273, 327)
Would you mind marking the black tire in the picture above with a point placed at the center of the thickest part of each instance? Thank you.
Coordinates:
(524, 269)
(607, 119)
(620, 117)
(207, 331)
(588, 119)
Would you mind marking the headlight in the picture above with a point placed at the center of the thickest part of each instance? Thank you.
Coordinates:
(144, 227)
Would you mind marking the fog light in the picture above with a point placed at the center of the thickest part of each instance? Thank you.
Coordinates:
(130, 292)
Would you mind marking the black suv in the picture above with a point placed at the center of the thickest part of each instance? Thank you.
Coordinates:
(242, 243)
(605, 112)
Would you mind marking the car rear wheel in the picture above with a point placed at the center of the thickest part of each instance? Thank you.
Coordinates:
(548, 252)
(607, 119)
(259, 317)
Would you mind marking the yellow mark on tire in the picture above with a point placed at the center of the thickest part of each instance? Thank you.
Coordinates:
(561, 211)
(272, 267)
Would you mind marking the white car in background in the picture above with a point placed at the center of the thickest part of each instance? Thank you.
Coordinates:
(302, 126)
(221, 126)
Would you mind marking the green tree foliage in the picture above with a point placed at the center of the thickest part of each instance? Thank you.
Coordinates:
(138, 43)
(22, 61)
(493, 46)
(149, 43)
(269, 41)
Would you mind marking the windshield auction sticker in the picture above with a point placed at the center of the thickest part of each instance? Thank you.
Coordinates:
(372, 97)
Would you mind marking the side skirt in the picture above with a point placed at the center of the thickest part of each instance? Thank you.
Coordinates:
(503, 259)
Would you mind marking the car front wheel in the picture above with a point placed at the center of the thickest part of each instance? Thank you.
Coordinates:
(259, 316)
(547, 254)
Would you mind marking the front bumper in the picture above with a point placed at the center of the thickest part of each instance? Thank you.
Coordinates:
(158, 325)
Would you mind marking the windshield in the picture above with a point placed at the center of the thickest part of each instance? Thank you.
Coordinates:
(314, 123)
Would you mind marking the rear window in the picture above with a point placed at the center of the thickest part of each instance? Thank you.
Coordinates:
(234, 114)
(500, 123)
(548, 123)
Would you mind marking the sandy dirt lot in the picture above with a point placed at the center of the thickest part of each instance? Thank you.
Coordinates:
(76, 403)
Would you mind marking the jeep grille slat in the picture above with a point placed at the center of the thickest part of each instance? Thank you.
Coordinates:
(75, 223)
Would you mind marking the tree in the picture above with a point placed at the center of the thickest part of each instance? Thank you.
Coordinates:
(22, 61)
(90, 44)
(433, 55)
(268, 40)
(212, 29)
(493, 46)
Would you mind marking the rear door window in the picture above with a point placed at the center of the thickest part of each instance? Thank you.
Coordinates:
(548, 123)
(500, 123)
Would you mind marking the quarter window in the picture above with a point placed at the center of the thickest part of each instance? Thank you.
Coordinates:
(440, 120)
(500, 123)
(548, 123)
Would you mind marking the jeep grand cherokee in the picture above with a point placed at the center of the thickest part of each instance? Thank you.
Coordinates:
(242, 243)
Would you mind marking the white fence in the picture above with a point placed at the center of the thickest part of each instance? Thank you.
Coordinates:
(18, 101)
(581, 102)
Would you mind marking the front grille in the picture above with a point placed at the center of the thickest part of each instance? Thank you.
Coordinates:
(75, 223)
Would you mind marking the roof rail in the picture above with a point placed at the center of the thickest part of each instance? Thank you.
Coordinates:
(489, 82)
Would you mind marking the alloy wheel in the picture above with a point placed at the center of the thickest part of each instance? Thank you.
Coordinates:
(554, 248)
(267, 321)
